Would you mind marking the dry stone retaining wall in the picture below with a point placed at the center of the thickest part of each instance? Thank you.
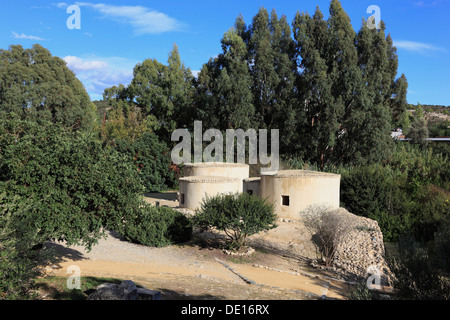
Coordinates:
(360, 248)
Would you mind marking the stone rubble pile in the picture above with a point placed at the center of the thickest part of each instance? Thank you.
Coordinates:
(127, 290)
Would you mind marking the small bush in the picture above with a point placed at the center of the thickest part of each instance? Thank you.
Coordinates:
(327, 228)
(157, 227)
(237, 215)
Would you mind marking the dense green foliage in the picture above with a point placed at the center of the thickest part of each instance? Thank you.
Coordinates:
(164, 92)
(78, 185)
(418, 272)
(440, 130)
(333, 93)
(237, 215)
(442, 244)
(36, 85)
(19, 262)
(152, 158)
(373, 192)
(157, 227)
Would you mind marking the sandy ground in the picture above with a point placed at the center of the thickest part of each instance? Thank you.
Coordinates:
(277, 270)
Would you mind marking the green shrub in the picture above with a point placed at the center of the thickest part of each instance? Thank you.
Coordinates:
(157, 227)
(237, 215)
(377, 192)
(431, 208)
(440, 130)
(152, 159)
(416, 275)
(420, 167)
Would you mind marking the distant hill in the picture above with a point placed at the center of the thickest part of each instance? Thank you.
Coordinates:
(433, 108)
(433, 113)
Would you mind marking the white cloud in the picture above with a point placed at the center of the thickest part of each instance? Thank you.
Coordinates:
(77, 64)
(60, 4)
(24, 36)
(416, 46)
(143, 20)
(425, 4)
(99, 73)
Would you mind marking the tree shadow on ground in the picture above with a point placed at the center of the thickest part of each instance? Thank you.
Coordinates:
(272, 248)
(61, 253)
(56, 288)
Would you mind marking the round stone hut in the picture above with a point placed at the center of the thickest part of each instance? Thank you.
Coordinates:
(240, 171)
(292, 191)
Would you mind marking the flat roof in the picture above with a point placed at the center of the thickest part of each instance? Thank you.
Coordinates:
(303, 174)
(209, 179)
(215, 164)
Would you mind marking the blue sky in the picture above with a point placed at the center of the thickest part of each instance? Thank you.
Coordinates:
(116, 35)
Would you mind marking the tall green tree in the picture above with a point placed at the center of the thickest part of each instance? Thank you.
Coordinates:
(346, 82)
(319, 117)
(224, 83)
(283, 114)
(36, 85)
(164, 91)
(377, 86)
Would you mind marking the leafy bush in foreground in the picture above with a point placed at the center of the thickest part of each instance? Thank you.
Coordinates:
(237, 215)
(417, 275)
(157, 227)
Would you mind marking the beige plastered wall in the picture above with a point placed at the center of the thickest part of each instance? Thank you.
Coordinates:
(194, 189)
(299, 190)
(218, 169)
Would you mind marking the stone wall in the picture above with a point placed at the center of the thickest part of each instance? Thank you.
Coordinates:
(360, 248)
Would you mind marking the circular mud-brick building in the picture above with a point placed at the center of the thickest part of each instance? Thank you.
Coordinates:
(218, 169)
(292, 191)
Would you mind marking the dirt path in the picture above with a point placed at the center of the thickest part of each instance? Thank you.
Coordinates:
(192, 272)
(275, 271)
